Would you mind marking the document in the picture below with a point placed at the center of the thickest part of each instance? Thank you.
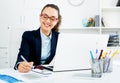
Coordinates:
(36, 74)
(43, 72)
(31, 76)
(9, 79)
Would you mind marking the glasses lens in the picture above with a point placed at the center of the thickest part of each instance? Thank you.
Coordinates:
(46, 17)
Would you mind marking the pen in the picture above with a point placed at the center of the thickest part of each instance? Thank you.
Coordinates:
(114, 53)
(24, 58)
(108, 65)
(100, 54)
(27, 62)
(104, 54)
(96, 53)
(36, 71)
(91, 55)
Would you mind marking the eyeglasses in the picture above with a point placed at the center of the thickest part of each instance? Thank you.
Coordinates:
(46, 17)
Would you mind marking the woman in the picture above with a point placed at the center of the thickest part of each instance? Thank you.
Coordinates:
(39, 46)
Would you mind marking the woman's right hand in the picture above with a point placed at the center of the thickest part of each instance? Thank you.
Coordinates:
(25, 67)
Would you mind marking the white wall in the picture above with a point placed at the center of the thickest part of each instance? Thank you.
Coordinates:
(111, 17)
(108, 3)
(71, 16)
(26, 12)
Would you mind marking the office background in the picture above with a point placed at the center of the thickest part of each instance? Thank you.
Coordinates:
(17, 16)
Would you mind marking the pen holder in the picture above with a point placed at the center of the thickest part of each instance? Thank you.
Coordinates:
(107, 65)
(97, 68)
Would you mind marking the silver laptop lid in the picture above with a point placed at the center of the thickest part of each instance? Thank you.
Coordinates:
(73, 50)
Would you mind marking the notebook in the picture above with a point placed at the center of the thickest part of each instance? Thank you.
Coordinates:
(73, 51)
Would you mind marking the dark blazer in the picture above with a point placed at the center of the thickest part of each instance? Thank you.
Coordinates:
(31, 47)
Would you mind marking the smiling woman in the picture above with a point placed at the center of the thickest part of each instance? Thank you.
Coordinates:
(39, 46)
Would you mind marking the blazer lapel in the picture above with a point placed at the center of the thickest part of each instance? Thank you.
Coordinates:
(53, 48)
(38, 46)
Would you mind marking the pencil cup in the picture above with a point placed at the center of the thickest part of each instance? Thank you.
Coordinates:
(97, 68)
(107, 65)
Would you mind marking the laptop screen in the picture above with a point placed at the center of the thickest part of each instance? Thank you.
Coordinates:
(73, 50)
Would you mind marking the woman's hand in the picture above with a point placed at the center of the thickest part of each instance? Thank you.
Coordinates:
(25, 67)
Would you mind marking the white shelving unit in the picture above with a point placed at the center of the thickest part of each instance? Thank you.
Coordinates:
(4, 58)
(110, 14)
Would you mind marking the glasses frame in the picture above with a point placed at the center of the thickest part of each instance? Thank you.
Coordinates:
(46, 17)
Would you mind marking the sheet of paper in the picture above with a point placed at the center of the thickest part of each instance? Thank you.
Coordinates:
(9, 79)
(43, 72)
(36, 74)
(31, 76)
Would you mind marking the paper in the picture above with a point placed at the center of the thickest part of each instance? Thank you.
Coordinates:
(36, 74)
(32, 76)
(43, 72)
(9, 79)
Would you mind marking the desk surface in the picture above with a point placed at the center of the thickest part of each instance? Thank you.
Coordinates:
(64, 77)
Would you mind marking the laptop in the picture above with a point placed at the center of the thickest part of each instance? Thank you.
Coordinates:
(73, 51)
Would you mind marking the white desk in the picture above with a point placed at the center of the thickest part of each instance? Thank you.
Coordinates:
(65, 77)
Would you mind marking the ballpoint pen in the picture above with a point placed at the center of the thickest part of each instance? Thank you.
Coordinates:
(104, 54)
(91, 54)
(114, 53)
(100, 54)
(24, 58)
(97, 53)
(40, 71)
(27, 62)
(108, 65)
(33, 67)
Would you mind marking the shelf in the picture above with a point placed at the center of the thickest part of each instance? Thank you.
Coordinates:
(110, 29)
(111, 9)
(85, 30)
(113, 48)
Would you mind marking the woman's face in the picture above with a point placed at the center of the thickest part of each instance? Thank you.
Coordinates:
(48, 19)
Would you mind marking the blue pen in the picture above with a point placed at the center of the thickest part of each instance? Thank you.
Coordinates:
(108, 65)
(96, 53)
(91, 54)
